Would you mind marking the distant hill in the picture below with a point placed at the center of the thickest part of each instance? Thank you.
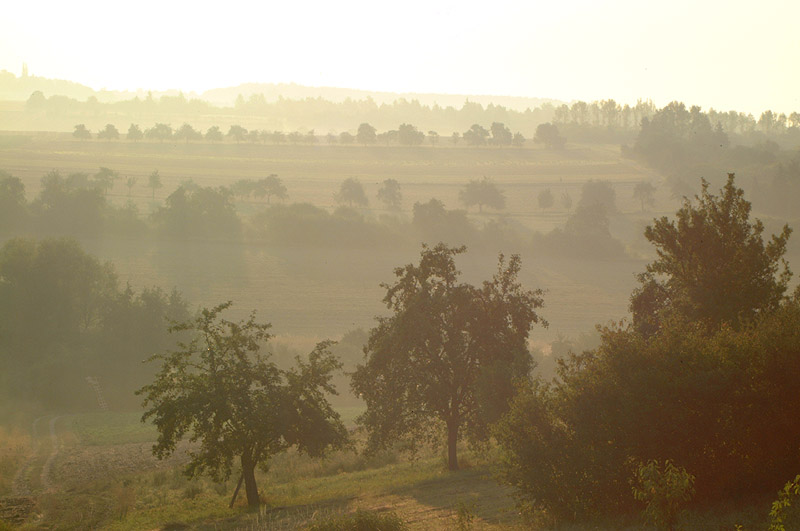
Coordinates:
(13, 88)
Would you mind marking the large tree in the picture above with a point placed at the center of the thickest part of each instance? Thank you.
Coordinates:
(351, 192)
(482, 192)
(713, 265)
(226, 395)
(366, 134)
(448, 354)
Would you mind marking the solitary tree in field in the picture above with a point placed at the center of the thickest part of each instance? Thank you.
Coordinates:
(109, 133)
(135, 133)
(518, 140)
(482, 192)
(270, 186)
(390, 194)
(218, 389)
(448, 354)
(154, 182)
(366, 134)
(643, 191)
(352, 193)
(81, 132)
(433, 137)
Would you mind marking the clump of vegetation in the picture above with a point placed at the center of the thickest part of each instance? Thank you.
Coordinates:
(664, 489)
(780, 510)
(359, 521)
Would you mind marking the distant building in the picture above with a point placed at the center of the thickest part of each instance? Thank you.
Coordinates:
(24, 70)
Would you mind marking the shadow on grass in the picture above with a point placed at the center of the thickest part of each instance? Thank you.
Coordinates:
(472, 491)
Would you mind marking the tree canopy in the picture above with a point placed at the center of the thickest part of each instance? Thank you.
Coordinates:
(713, 265)
(221, 391)
(448, 354)
(482, 192)
(352, 193)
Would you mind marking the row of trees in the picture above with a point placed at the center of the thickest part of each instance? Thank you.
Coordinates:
(315, 113)
(404, 135)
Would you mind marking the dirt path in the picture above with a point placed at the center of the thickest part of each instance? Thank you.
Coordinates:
(46, 479)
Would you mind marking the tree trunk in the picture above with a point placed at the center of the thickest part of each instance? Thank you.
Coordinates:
(452, 442)
(250, 487)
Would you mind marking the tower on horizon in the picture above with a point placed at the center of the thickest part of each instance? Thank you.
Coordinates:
(24, 69)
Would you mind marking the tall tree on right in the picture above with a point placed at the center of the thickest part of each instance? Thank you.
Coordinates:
(713, 265)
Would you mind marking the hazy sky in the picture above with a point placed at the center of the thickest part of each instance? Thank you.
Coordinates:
(730, 54)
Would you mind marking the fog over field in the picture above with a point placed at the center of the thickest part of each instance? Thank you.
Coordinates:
(421, 266)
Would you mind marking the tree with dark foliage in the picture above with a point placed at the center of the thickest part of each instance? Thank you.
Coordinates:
(221, 391)
(448, 354)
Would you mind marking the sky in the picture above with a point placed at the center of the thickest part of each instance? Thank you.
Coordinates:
(741, 55)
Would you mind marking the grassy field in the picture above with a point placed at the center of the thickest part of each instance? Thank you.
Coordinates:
(104, 476)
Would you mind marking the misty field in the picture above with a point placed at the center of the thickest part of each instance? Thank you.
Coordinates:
(312, 293)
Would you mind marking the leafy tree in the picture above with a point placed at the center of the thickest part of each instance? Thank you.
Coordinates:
(187, 133)
(69, 206)
(270, 186)
(548, 135)
(346, 138)
(476, 136)
(713, 266)
(366, 134)
(135, 133)
(408, 135)
(237, 132)
(644, 191)
(106, 177)
(13, 206)
(455, 137)
(482, 192)
(546, 199)
(81, 133)
(237, 405)
(198, 212)
(254, 136)
(154, 182)
(213, 134)
(433, 222)
(109, 133)
(352, 193)
(518, 140)
(390, 194)
(310, 137)
(501, 135)
(295, 137)
(433, 138)
(159, 132)
(448, 354)
(130, 182)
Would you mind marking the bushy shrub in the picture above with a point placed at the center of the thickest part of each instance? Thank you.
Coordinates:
(664, 490)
